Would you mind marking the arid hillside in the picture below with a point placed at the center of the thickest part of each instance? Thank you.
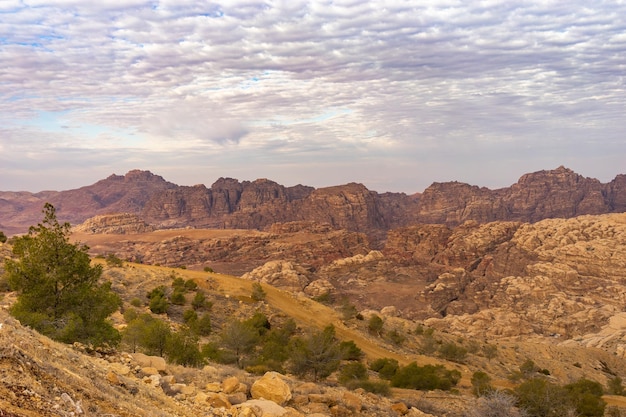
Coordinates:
(45, 378)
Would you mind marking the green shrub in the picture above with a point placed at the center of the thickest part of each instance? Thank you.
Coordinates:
(178, 298)
(375, 325)
(427, 377)
(352, 371)
(113, 261)
(375, 387)
(481, 384)
(453, 352)
(191, 285)
(350, 351)
(200, 301)
(385, 367)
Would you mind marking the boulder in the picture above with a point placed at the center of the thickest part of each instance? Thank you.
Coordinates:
(272, 387)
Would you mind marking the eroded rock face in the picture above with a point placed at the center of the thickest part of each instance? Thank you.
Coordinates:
(123, 223)
(558, 193)
(569, 283)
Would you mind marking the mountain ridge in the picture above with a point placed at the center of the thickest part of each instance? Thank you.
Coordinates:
(230, 203)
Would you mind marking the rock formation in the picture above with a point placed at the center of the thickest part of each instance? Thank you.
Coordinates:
(230, 204)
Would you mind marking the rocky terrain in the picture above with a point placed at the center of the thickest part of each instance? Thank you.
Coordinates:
(231, 204)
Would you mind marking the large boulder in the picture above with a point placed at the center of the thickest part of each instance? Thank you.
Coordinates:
(272, 387)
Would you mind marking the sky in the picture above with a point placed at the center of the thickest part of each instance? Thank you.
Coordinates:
(392, 94)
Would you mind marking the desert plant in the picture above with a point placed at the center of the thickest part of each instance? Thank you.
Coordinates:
(200, 301)
(3, 237)
(427, 377)
(375, 325)
(317, 354)
(615, 386)
(352, 371)
(240, 338)
(59, 293)
(453, 352)
(258, 293)
(396, 337)
(386, 367)
(350, 351)
(496, 404)
(481, 384)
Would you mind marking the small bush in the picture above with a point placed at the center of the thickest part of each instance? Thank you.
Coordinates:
(352, 371)
(178, 298)
(375, 387)
(427, 377)
(191, 285)
(453, 352)
(208, 269)
(258, 293)
(136, 302)
(113, 261)
(385, 367)
(350, 351)
(396, 337)
(375, 325)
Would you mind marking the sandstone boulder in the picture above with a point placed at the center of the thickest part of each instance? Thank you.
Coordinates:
(272, 387)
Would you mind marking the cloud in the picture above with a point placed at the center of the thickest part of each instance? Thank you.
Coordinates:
(299, 83)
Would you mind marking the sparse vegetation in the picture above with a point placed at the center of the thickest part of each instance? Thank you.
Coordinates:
(59, 291)
(3, 237)
(317, 354)
(258, 293)
(427, 377)
(375, 325)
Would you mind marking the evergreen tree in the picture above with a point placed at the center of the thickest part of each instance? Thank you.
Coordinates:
(318, 354)
(59, 293)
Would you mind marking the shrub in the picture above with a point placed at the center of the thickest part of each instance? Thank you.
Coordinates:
(178, 297)
(3, 237)
(375, 325)
(113, 261)
(258, 293)
(396, 337)
(191, 285)
(200, 301)
(352, 371)
(208, 269)
(385, 367)
(453, 352)
(350, 351)
(427, 377)
(481, 384)
(615, 386)
(375, 387)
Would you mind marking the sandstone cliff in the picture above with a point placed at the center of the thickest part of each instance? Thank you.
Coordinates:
(230, 204)
(545, 194)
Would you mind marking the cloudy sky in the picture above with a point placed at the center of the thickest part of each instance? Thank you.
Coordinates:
(392, 94)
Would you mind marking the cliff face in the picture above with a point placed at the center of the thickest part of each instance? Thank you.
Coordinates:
(559, 193)
(229, 203)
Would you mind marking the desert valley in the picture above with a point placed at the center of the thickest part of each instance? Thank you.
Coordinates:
(518, 286)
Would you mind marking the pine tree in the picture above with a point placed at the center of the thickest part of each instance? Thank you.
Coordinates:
(59, 293)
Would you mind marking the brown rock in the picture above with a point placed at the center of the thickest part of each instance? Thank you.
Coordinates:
(400, 408)
(271, 386)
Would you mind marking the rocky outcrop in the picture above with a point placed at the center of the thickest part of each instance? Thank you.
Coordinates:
(123, 223)
(231, 204)
(559, 193)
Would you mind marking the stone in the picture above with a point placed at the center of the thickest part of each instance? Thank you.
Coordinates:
(271, 386)
(156, 362)
(264, 408)
(400, 408)
(113, 378)
(230, 385)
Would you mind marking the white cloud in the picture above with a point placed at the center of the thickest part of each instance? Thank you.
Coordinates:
(441, 83)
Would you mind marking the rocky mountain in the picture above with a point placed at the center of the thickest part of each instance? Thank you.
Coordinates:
(231, 204)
